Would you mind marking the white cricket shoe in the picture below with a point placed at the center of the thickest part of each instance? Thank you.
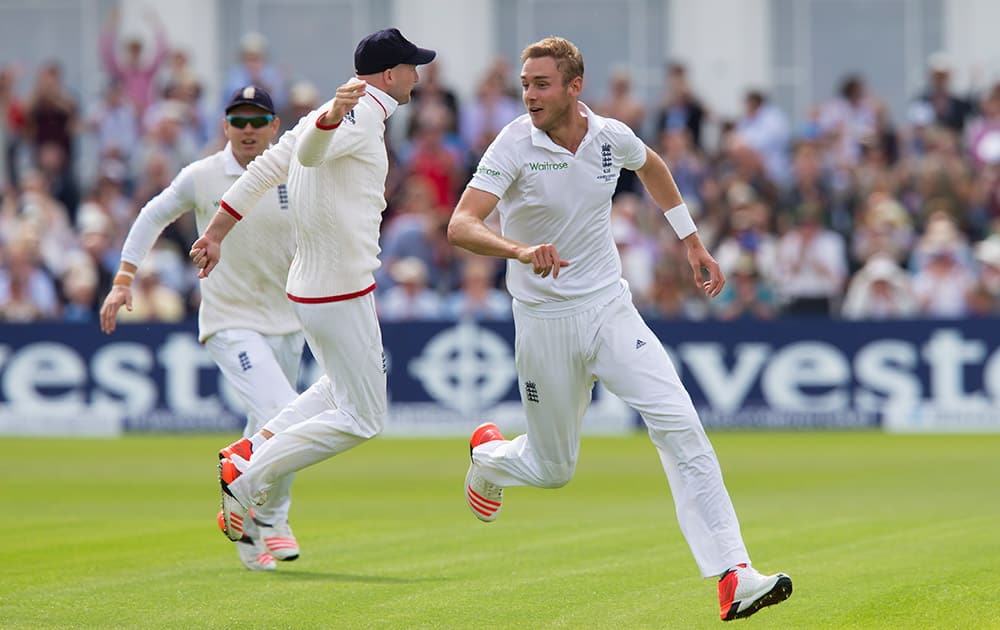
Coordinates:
(484, 498)
(252, 553)
(233, 514)
(278, 539)
(743, 591)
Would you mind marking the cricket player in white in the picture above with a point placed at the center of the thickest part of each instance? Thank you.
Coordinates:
(335, 163)
(551, 175)
(245, 320)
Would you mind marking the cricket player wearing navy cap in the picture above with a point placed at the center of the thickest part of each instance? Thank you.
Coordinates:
(551, 174)
(335, 163)
(245, 320)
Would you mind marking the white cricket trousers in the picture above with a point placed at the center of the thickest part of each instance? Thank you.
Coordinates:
(560, 352)
(263, 369)
(345, 407)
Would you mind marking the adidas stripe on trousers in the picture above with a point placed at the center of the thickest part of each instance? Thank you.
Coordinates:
(263, 370)
(559, 354)
(345, 407)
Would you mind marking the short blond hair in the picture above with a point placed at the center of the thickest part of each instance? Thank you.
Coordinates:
(569, 61)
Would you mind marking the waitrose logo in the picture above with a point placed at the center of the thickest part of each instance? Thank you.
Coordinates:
(548, 166)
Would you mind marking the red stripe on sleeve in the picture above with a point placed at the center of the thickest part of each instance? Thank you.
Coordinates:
(326, 127)
(227, 208)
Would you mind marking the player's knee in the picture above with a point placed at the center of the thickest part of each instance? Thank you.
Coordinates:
(558, 475)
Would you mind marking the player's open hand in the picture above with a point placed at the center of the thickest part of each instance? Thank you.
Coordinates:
(346, 98)
(544, 259)
(699, 258)
(119, 296)
(205, 254)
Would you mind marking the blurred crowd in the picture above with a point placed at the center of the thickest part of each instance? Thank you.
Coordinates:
(848, 214)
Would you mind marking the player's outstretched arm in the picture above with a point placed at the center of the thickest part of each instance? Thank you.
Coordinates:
(467, 229)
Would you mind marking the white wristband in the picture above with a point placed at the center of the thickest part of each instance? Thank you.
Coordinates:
(680, 219)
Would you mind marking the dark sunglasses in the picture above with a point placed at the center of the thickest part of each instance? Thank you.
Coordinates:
(254, 121)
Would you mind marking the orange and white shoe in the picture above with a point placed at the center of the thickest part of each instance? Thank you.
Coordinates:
(252, 552)
(484, 498)
(743, 591)
(241, 447)
(278, 539)
(233, 512)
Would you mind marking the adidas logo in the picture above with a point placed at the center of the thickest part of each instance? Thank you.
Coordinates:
(639, 343)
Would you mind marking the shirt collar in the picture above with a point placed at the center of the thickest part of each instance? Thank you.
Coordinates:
(385, 102)
(595, 124)
(229, 164)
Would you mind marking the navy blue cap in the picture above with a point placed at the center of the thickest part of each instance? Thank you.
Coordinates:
(386, 49)
(251, 95)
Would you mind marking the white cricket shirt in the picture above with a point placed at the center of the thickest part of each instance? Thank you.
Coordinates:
(246, 289)
(549, 195)
(336, 186)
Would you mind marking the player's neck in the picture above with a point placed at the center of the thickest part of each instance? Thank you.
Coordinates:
(570, 133)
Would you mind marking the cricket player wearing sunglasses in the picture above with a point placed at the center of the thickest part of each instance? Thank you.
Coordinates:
(245, 320)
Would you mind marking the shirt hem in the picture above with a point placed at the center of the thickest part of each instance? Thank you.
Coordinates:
(331, 298)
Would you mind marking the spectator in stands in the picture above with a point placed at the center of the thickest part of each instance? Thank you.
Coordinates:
(152, 301)
(12, 121)
(432, 158)
(941, 233)
(114, 123)
(166, 138)
(686, 164)
(620, 102)
(941, 287)
(747, 295)
(883, 227)
(79, 288)
(879, 290)
(765, 128)
(27, 292)
(303, 97)
(938, 100)
(136, 75)
(673, 297)
(847, 119)
(51, 125)
(478, 298)
(811, 266)
(810, 183)
(983, 132)
(748, 234)
(638, 257)
(481, 120)
(988, 276)
(680, 108)
(409, 298)
(431, 92)
(95, 230)
(409, 232)
(48, 220)
(254, 69)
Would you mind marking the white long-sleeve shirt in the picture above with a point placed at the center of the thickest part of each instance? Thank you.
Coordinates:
(247, 288)
(336, 185)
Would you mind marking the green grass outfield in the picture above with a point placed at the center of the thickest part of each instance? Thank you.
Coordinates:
(877, 531)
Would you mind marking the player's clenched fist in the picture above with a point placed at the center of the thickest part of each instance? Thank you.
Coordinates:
(544, 259)
(205, 254)
(346, 98)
